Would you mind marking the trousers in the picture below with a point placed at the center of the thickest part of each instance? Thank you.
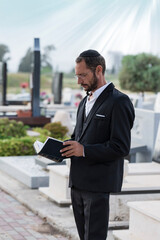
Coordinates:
(91, 213)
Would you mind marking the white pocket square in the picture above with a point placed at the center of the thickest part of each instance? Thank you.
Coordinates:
(100, 115)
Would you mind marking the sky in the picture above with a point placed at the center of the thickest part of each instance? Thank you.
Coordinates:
(72, 26)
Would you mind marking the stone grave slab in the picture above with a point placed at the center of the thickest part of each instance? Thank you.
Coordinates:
(25, 170)
(141, 183)
(146, 212)
(134, 188)
(152, 168)
(156, 153)
(144, 133)
(45, 162)
(58, 189)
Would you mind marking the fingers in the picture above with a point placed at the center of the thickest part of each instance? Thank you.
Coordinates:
(72, 148)
(66, 148)
(68, 143)
(68, 153)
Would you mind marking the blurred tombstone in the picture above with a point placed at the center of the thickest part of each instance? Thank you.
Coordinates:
(157, 103)
(137, 100)
(67, 96)
(156, 153)
(3, 82)
(36, 79)
(57, 87)
(64, 117)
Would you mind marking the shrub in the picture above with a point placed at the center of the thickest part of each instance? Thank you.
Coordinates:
(17, 146)
(11, 128)
(56, 130)
(42, 131)
(140, 73)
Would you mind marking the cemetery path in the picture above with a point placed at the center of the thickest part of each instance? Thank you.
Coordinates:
(17, 222)
(26, 211)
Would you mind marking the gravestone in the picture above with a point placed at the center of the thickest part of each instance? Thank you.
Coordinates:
(58, 190)
(36, 79)
(64, 117)
(144, 132)
(3, 82)
(156, 154)
(136, 100)
(146, 168)
(25, 170)
(157, 103)
(144, 222)
(57, 87)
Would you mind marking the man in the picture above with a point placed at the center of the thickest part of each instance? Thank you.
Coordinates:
(100, 142)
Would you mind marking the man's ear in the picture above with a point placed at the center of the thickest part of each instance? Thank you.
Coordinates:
(98, 70)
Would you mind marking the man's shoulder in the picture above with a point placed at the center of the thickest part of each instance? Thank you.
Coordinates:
(118, 95)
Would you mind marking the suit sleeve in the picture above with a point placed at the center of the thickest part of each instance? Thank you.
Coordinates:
(118, 144)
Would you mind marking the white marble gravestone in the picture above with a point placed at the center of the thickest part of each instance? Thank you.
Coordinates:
(144, 132)
(58, 189)
(24, 169)
(144, 222)
(156, 154)
(64, 117)
(157, 103)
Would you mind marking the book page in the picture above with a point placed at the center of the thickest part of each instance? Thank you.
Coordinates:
(38, 145)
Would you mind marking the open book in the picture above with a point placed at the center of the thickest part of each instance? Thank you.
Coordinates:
(50, 149)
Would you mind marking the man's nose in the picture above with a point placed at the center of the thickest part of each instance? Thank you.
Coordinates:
(79, 80)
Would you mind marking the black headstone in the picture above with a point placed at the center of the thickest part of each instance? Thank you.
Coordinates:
(36, 79)
(3, 82)
(57, 87)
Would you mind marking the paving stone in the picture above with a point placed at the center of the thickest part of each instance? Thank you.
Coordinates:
(5, 236)
(17, 222)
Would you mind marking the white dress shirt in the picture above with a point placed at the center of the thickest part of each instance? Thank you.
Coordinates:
(91, 99)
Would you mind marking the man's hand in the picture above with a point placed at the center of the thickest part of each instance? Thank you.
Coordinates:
(74, 148)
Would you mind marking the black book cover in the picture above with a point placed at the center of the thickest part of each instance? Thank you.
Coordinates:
(50, 149)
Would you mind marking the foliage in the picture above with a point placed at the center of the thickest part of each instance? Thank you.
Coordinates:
(15, 142)
(46, 58)
(3, 52)
(42, 131)
(140, 73)
(26, 62)
(11, 128)
(17, 146)
(21, 146)
(56, 130)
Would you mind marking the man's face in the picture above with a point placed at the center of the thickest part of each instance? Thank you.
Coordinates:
(86, 78)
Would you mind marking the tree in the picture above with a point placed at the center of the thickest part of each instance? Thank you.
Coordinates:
(4, 50)
(46, 56)
(26, 62)
(140, 73)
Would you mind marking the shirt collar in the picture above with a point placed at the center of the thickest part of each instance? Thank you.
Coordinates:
(100, 90)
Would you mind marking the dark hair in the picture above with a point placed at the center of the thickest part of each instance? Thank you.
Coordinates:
(93, 62)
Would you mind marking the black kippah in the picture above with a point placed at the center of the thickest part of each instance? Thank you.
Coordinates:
(89, 53)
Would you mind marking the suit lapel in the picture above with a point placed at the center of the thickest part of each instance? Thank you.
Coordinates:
(80, 116)
(96, 105)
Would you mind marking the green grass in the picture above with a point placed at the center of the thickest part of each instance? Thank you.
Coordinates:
(15, 79)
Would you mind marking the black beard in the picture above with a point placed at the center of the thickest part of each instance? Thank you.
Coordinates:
(93, 85)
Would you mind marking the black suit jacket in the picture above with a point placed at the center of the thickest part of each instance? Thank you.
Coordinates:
(105, 136)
